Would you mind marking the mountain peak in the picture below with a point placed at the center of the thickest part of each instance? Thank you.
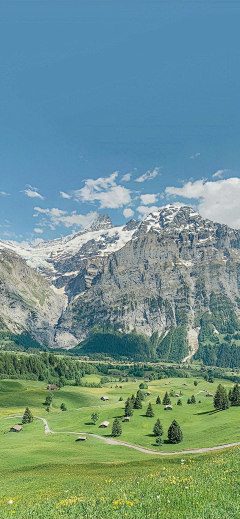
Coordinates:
(176, 216)
(100, 222)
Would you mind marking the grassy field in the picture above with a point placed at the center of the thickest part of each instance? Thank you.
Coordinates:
(52, 476)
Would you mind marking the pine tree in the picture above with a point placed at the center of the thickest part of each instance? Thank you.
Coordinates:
(159, 440)
(63, 407)
(235, 396)
(149, 412)
(175, 434)
(94, 417)
(221, 401)
(193, 399)
(132, 400)
(27, 417)
(158, 401)
(166, 399)
(116, 428)
(128, 408)
(140, 394)
(157, 429)
(48, 400)
(137, 403)
(189, 401)
(179, 402)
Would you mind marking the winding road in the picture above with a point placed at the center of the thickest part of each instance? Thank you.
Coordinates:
(111, 441)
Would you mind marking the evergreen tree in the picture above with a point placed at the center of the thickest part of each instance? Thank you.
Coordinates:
(27, 417)
(63, 407)
(193, 399)
(195, 383)
(179, 402)
(235, 396)
(48, 400)
(149, 412)
(220, 400)
(116, 428)
(159, 440)
(94, 417)
(166, 399)
(188, 401)
(230, 396)
(132, 400)
(175, 434)
(128, 408)
(140, 394)
(158, 401)
(143, 385)
(137, 403)
(157, 429)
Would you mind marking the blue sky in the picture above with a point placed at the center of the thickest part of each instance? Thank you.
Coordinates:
(118, 108)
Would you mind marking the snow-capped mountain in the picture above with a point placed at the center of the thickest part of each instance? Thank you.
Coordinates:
(76, 259)
(163, 274)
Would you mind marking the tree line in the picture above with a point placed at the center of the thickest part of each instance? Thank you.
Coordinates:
(46, 366)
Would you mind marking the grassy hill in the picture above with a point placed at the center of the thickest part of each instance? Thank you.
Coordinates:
(53, 476)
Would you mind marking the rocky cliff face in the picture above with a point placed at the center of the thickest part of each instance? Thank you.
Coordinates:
(27, 302)
(162, 278)
(160, 275)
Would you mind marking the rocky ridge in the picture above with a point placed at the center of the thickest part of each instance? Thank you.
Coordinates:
(155, 276)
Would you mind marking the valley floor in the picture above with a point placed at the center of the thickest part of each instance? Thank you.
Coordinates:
(51, 476)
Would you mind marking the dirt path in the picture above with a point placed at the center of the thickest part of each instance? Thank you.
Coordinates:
(111, 441)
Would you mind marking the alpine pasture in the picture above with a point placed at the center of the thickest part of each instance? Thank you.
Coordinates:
(53, 476)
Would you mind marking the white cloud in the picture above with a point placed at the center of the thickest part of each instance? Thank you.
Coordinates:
(32, 192)
(195, 155)
(59, 217)
(144, 210)
(38, 230)
(128, 213)
(105, 191)
(148, 199)
(65, 195)
(149, 175)
(3, 193)
(40, 210)
(126, 177)
(218, 201)
(220, 172)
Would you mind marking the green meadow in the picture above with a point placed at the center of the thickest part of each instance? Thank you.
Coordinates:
(53, 476)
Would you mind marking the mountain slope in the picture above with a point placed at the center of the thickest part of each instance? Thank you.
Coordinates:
(27, 302)
(164, 278)
(75, 262)
(174, 275)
